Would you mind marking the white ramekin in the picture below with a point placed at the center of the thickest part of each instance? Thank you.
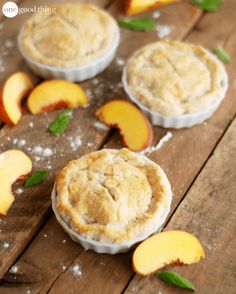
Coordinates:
(100, 247)
(73, 74)
(181, 121)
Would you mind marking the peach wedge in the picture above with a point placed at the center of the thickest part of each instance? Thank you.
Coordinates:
(14, 165)
(133, 126)
(56, 94)
(16, 87)
(133, 7)
(169, 247)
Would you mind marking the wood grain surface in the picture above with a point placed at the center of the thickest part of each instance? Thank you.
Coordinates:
(185, 154)
(48, 263)
(31, 208)
(208, 211)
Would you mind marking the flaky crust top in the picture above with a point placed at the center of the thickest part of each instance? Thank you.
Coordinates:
(175, 78)
(113, 196)
(75, 35)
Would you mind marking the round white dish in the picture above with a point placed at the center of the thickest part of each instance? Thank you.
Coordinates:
(182, 121)
(73, 74)
(100, 247)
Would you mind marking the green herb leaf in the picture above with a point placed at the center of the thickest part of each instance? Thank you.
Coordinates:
(138, 24)
(175, 279)
(208, 5)
(36, 178)
(222, 54)
(59, 125)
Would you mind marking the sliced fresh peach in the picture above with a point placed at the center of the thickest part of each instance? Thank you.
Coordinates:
(134, 127)
(169, 247)
(133, 7)
(16, 87)
(14, 165)
(56, 94)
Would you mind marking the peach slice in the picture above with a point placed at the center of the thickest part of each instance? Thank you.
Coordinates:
(169, 247)
(138, 6)
(56, 94)
(16, 87)
(14, 165)
(134, 127)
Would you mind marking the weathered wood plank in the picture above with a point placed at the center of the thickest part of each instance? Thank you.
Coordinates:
(187, 151)
(38, 267)
(209, 212)
(188, 15)
(32, 206)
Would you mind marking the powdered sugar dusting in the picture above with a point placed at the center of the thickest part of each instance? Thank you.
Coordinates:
(163, 31)
(4, 50)
(47, 152)
(19, 190)
(100, 126)
(21, 143)
(75, 143)
(89, 93)
(156, 14)
(95, 81)
(40, 151)
(14, 269)
(160, 144)
(6, 245)
(37, 152)
(120, 61)
(9, 44)
(76, 270)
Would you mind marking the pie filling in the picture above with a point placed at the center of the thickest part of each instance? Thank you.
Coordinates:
(175, 78)
(112, 196)
(77, 34)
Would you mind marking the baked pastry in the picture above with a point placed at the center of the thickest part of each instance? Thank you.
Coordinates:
(75, 35)
(175, 78)
(112, 196)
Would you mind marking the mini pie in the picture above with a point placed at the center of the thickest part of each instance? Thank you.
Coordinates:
(175, 78)
(76, 35)
(112, 196)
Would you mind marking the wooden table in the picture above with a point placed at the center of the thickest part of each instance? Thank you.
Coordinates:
(36, 256)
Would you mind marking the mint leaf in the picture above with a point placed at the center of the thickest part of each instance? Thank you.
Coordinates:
(222, 54)
(59, 125)
(36, 178)
(208, 5)
(138, 24)
(175, 279)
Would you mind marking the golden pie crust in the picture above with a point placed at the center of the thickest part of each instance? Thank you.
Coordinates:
(175, 78)
(112, 196)
(76, 35)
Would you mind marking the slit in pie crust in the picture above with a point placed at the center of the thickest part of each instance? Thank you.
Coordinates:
(175, 78)
(112, 196)
(75, 35)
